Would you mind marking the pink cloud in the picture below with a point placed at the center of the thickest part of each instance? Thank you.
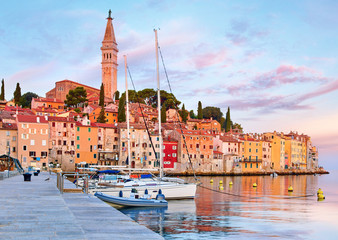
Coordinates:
(208, 59)
(32, 73)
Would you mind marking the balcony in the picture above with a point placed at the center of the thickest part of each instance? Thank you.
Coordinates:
(250, 160)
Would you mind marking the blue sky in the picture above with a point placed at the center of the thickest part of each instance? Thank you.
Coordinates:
(273, 62)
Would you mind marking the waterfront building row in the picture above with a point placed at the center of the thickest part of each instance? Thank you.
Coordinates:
(37, 141)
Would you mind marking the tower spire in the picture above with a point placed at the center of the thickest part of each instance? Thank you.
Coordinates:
(109, 59)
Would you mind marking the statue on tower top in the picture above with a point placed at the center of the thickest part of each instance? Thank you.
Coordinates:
(109, 13)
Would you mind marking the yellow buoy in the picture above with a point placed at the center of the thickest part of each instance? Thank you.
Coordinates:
(230, 183)
(211, 181)
(320, 191)
(254, 185)
(320, 196)
(290, 189)
(221, 187)
(221, 182)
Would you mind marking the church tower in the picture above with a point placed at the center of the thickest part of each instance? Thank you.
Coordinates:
(109, 59)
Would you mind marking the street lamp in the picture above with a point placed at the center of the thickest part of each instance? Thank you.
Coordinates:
(9, 158)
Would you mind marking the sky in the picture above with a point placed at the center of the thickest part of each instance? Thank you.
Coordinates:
(274, 63)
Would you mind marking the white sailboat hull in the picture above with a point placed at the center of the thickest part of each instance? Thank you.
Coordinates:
(170, 191)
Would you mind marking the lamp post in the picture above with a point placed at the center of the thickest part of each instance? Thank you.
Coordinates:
(9, 158)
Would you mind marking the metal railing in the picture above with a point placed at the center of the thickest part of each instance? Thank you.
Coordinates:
(62, 176)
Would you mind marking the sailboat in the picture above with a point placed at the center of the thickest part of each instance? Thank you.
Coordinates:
(172, 188)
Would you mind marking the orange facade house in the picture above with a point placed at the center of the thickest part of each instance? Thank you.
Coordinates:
(51, 103)
(62, 142)
(33, 141)
(251, 154)
(86, 141)
(8, 139)
(111, 115)
(196, 144)
(204, 124)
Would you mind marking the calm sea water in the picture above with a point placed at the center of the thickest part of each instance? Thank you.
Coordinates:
(267, 211)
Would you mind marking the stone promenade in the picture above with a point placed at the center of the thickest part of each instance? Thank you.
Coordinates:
(36, 210)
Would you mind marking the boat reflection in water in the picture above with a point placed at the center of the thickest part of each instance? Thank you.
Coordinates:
(153, 216)
(267, 211)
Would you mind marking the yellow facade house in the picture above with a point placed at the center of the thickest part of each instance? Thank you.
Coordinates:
(278, 157)
(251, 154)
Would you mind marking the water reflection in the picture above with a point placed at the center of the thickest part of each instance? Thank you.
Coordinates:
(266, 211)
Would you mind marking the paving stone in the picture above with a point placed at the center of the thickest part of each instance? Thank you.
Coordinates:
(36, 210)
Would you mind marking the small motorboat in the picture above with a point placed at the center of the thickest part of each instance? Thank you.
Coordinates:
(134, 200)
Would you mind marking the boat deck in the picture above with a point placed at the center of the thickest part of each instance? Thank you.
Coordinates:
(36, 210)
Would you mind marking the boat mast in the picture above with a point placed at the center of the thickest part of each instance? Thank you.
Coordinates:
(127, 103)
(159, 106)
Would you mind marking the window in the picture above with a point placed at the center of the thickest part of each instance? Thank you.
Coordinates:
(246, 165)
(64, 125)
(7, 133)
(32, 154)
(14, 138)
(249, 149)
(32, 142)
(44, 142)
(197, 146)
(250, 165)
(77, 137)
(78, 129)
(43, 154)
(24, 159)
(88, 139)
(89, 129)
(24, 147)
(78, 146)
(24, 136)
(256, 150)
(91, 148)
(78, 155)
(256, 165)
(72, 143)
(174, 147)
(202, 156)
(59, 142)
(72, 125)
(64, 143)
(174, 154)
(94, 155)
(53, 124)
(59, 152)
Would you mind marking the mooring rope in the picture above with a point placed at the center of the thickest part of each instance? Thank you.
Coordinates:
(246, 196)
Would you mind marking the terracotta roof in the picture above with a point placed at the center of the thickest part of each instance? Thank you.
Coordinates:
(228, 139)
(44, 109)
(218, 152)
(9, 126)
(48, 100)
(60, 119)
(31, 119)
(106, 125)
(194, 132)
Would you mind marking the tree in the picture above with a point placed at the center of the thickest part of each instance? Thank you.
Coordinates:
(192, 114)
(26, 99)
(199, 110)
(17, 94)
(163, 114)
(101, 102)
(227, 123)
(117, 95)
(184, 114)
(238, 126)
(212, 112)
(121, 111)
(2, 95)
(76, 97)
(102, 116)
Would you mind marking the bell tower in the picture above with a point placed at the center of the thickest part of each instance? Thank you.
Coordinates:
(109, 59)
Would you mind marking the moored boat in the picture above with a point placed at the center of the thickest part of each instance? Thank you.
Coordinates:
(132, 201)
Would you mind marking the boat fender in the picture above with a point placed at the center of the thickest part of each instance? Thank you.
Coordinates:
(160, 196)
(120, 194)
(146, 194)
